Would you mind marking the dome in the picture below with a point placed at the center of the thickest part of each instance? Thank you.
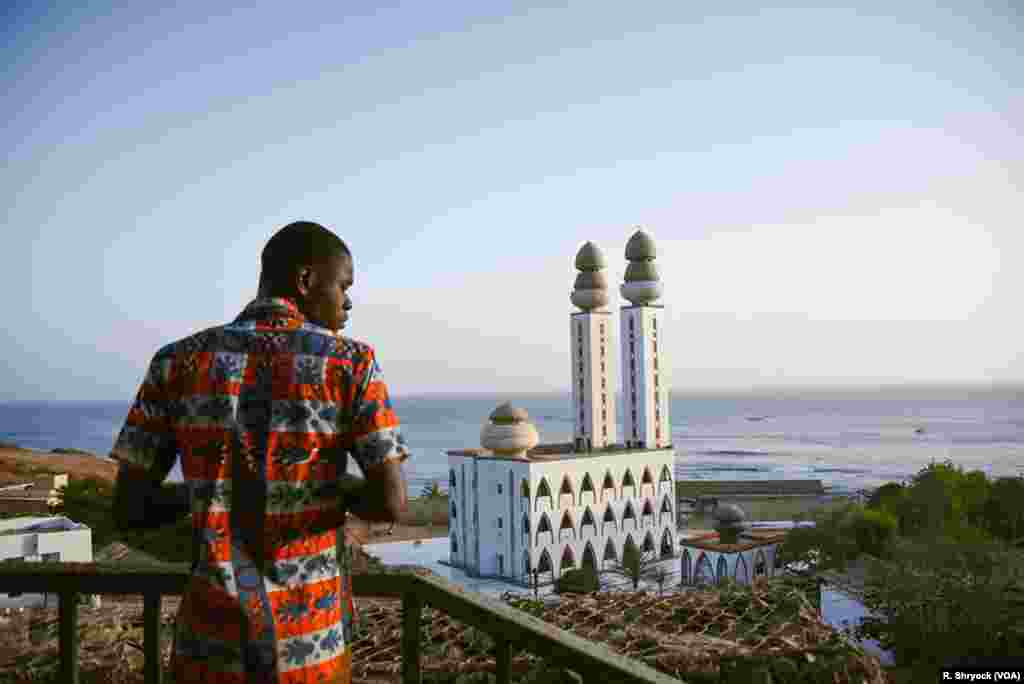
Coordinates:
(641, 292)
(729, 515)
(588, 300)
(506, 414)
(591, 280)
(590, 258)
(509, 432)
(640, 247)
(640, 271)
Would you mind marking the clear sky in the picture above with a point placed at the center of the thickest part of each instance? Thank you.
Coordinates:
(836, 194)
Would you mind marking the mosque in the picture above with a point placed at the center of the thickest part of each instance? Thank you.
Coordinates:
(518, 506)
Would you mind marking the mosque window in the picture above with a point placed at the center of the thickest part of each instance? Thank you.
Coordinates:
(602, 328)
(602, 382)
(604, 415)
(655, 363)
(602, 366)
(604, 430)
(630, 323)
(655, 346)
(632, 349)
(604, 397)
(654, 323)
(602, 350)
(499, 488)
(632, 365)
(499, 523)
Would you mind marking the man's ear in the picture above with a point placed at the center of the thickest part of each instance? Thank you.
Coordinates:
(305, 278)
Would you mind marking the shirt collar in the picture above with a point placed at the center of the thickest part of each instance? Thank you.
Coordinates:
(269, 308)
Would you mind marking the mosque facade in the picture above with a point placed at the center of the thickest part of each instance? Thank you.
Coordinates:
(519, 507)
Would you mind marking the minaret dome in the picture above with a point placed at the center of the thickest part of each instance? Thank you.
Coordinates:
(590, 290)
(642, 282)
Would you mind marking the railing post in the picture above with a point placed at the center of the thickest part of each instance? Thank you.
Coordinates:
(503, 660)
(412, 610)
(151, 637)
(69, 636)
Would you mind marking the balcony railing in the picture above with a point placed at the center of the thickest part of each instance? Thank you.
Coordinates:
(508, 627)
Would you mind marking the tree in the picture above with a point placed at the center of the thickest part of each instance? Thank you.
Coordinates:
(636, 565)
(1003, 512)
(943, 597)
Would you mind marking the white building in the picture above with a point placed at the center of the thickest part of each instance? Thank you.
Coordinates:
(516, 507)
(46, 540)
(645, 375)
(734, 552)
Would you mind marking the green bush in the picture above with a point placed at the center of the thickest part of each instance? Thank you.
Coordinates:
(578, 581)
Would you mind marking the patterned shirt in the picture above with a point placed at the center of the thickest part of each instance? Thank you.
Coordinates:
(264, 412)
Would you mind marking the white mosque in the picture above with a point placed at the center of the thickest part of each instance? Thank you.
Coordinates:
(519, 507)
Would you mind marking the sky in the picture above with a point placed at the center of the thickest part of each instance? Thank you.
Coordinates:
(835, 193)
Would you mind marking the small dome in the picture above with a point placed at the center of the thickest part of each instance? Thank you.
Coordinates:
(591, 280)
(640, 247)
(642, 271)
(729, 514)
(590, 258)
(506, 414)
(588, 300)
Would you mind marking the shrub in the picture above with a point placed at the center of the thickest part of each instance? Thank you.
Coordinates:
(578, 581)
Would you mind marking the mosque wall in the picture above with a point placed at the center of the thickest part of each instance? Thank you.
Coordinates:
(645, 377)
(593, 379)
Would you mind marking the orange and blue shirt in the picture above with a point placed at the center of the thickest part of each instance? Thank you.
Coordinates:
(264, 412)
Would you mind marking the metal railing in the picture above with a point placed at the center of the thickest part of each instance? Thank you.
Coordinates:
(509, 627)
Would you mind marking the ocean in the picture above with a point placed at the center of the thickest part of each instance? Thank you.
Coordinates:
(850, 440)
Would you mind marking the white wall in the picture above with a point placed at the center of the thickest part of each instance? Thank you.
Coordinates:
(593, 378)
(645, 377)
(746, 560)
(70, 545)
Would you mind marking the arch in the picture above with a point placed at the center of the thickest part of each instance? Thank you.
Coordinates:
(566, 490)
(760, 564)
(544, 563)
(703, 573)
(647, 482)
(666, 474)
(451, 478)
(609, 552)
(524, 488)
(685, 567)
(588, 519)
(742, 573)
(568, 559)
(608, 484)
(647, 514)
(589, 557)
(566, 524)
(587, 487)
(667, 550)
(666, 509)
(455, 544)
(629, 546)
(609, 517)
(544, 526)
(544, 491)
(722, 571)
(629, 514)
(648, 546)
(628, 481)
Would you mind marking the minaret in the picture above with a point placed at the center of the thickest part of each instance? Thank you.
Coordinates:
(593, 377)
(645, 375)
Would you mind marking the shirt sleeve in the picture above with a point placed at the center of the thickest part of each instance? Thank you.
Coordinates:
(147, 442)
(375, 435)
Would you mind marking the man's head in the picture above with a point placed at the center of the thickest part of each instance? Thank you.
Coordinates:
(311, 265)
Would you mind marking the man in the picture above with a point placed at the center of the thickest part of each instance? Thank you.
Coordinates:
(264, 412)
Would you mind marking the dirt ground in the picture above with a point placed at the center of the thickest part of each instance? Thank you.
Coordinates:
(19, 465)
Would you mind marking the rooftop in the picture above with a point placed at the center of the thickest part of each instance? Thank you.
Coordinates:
(559, 451)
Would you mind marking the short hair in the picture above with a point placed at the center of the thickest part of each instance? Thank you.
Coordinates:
(298, 244)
